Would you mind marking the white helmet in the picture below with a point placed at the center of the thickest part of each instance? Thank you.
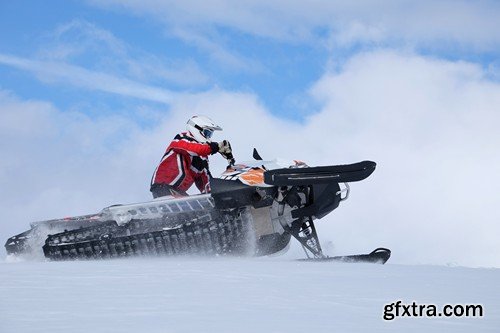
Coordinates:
(202, 128)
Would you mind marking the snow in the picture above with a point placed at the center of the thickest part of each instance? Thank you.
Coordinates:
(274, 294)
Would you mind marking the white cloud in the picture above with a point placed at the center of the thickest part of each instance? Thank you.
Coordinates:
(80, 41)
(49, 71)
(58, 163)
(213, 46)
(425, 23)
(429, 124)
(76, 37)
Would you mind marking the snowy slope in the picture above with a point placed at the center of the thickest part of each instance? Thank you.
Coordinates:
(237, 295)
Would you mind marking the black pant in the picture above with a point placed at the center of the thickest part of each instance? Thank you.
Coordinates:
(161, 190)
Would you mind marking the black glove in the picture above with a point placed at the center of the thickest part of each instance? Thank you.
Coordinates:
(214, 146)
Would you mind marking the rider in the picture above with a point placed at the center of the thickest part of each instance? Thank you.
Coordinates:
(186, 159)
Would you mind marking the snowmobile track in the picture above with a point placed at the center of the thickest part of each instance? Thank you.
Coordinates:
(214, 237)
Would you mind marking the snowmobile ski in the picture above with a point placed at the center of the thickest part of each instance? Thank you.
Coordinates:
(377, 256)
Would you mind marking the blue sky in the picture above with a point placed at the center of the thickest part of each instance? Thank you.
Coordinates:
(278, 72)
(91, 92)
(279, 65)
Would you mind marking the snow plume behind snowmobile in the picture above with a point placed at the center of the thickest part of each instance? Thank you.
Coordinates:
(254, 209)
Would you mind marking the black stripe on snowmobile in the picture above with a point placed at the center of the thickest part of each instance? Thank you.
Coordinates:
(320, 175)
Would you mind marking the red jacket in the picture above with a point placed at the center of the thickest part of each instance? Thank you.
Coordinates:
(185, 162)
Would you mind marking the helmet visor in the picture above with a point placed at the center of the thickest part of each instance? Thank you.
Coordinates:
(207, 133)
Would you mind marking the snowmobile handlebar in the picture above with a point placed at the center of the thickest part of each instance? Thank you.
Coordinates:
(345, 190)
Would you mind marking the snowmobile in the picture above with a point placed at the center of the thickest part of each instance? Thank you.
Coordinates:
(253, 209)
